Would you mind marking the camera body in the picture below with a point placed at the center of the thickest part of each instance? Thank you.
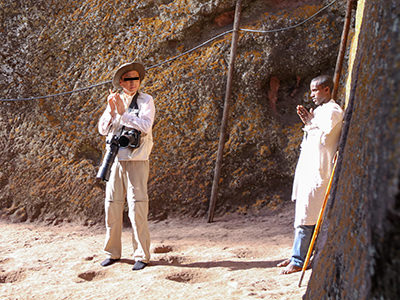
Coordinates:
(129, 138)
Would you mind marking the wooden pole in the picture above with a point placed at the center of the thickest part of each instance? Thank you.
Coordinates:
(342, 50)
(228, 92)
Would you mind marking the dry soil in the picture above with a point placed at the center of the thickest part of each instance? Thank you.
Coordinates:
(234, 257)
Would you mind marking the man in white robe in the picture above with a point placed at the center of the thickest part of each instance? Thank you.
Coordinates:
(321, 136)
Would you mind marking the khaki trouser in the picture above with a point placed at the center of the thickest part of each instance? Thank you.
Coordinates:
(128, 179)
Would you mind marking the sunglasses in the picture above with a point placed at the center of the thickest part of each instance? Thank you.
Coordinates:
(131, 78)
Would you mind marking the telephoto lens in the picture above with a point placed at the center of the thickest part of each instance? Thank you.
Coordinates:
(124, 141)
(109, 157)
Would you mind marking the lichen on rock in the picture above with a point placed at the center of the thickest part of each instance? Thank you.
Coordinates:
(50, 148)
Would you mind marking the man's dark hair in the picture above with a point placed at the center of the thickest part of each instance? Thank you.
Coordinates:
(324, 81)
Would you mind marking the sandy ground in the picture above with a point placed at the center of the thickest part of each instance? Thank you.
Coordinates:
(234, 257)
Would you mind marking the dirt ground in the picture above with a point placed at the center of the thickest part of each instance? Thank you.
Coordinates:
(234, 257)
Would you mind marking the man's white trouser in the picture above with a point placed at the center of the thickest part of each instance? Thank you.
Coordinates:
(128, 179)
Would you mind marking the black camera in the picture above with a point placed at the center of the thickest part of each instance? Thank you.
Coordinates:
(130, 138)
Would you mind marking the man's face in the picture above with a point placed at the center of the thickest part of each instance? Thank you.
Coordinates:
(130, 82)
(319, 94)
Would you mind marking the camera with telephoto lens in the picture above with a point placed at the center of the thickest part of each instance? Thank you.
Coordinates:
(130, 138)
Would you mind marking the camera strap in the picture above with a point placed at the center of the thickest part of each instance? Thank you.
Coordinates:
(134, 104)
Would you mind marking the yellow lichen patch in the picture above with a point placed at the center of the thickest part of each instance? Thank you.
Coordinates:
(259, 203)
(294, 135)
(242, 209)
(264, 150)
(306, 11)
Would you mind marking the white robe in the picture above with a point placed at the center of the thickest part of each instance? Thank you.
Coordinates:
(315, 163)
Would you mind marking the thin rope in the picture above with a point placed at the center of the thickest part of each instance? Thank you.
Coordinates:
(59, 94)
(191, 50)
(290, 27)
(178, 56)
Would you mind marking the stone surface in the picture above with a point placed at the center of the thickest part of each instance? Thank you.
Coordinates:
(360, 256)
(50, 149)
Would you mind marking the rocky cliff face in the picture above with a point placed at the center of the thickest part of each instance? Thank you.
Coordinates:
(50, 149)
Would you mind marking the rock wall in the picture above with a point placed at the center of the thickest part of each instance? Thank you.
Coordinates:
(50, 149)
(360, 256)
